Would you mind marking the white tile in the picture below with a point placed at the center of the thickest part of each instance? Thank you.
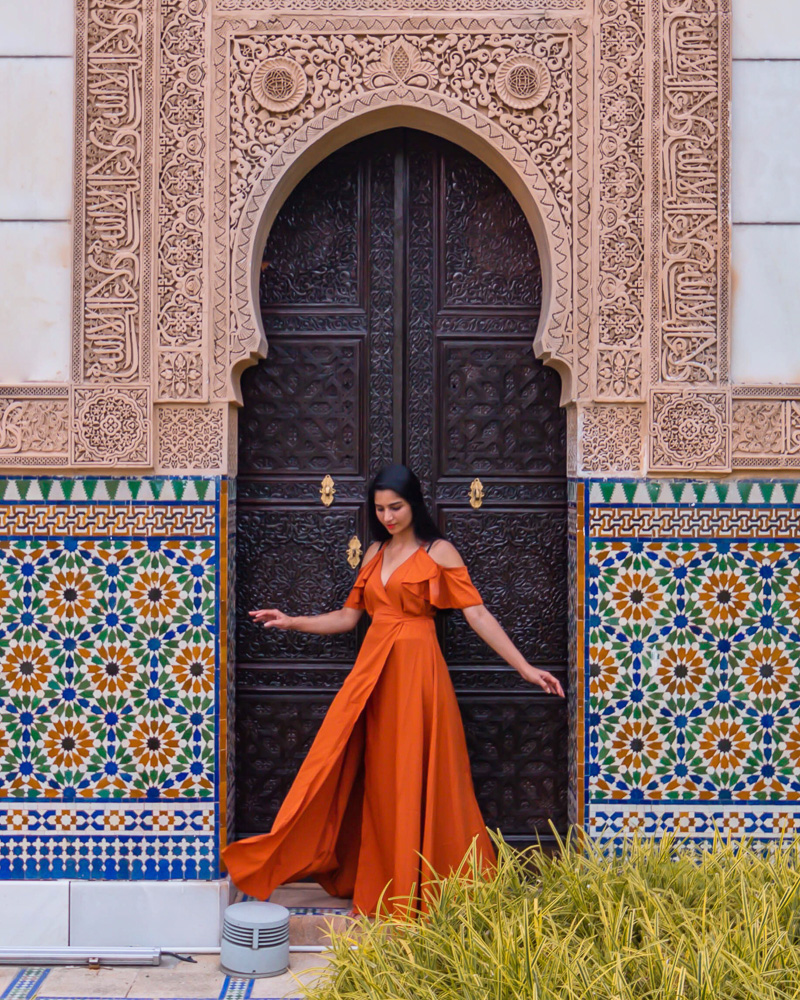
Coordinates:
(35, 279)
(34, 914)
(766, 29)
(37, 28)
(765, 155)
(36, 141)
(766, 304)
(169, 915)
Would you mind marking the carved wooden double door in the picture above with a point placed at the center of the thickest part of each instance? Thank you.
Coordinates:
(400, 294)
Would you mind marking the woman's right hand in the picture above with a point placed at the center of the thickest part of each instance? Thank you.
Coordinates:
(272, 618)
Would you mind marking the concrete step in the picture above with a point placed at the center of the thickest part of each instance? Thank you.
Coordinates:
(312, 912)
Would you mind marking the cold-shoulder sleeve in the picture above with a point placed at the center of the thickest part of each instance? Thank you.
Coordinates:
(453, 588)
(356, 597)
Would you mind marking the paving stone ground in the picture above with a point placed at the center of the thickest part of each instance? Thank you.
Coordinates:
(201, 980)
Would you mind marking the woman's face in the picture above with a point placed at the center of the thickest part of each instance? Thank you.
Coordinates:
(393, 511)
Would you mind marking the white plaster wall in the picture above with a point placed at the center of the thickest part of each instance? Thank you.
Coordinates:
(765, 191)
(36, 160)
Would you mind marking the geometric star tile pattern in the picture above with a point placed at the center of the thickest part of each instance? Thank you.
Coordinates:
(693, 714)
(108, 678)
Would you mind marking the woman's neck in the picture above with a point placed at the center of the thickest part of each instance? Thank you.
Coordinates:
(405, 539)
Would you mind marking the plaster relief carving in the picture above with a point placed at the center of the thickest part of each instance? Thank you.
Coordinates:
(766, 428)
(621, 250)
(381, 6)
(693, 106)
(191, 439)
(758, 427)
(610, 438)
(111, 426)
(33, 427)
(690, 430)
(401, 62)
(279, 84)
(180, 375)
(112, 219)
(522, 82)
(182, 218)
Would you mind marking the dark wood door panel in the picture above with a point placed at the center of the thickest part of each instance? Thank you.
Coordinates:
(500, 411)
(518, 561)
(293, 558)
(489, 258)
(273, 736)
(315, 252)
(304, 411)
(517, 748)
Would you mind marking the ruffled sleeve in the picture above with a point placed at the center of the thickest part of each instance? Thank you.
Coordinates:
(453, 588)
(356, 597)
(442, 586)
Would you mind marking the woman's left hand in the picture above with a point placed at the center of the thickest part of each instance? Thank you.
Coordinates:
(544, 680)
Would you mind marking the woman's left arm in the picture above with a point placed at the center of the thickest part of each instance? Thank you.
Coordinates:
(484, 623)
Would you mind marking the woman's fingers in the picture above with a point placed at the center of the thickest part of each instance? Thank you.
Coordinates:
(551, 684)
(265, 614)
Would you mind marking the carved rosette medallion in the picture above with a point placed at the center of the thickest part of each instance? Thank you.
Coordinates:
(279, 84)
(690, 430)
(112, 426)
(522, 82)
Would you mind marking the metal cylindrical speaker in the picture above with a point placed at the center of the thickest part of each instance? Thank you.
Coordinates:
(255, 939)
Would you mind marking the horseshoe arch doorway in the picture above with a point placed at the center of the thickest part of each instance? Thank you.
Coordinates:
(400, 294)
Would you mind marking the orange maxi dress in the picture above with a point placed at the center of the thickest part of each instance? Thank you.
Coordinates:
(387, 780)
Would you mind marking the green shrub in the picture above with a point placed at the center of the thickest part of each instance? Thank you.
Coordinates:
(655, 920)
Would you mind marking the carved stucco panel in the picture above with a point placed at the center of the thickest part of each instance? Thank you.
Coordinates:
(690, 430)
(191, 438)
(450, 71)
(191, 115)
(611, 438)
(620, 244)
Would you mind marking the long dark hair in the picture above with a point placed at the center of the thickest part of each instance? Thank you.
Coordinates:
(403, 481)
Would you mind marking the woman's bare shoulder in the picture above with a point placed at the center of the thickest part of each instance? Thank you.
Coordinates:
(445, 554)
(370, 554)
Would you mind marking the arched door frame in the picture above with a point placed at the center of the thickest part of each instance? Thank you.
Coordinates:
(410, 108)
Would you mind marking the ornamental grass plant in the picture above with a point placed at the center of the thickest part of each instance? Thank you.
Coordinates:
(654, 920)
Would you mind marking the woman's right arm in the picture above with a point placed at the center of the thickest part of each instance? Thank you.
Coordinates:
(331, 623)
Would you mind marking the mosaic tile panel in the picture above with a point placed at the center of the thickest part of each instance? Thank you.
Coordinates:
(109, 704)
(693, 626)
(25, 984)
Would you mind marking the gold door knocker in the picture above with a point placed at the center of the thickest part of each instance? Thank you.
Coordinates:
(354, 552)
(326, 491)
(476, 493)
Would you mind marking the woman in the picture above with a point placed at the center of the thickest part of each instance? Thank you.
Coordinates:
(387, 780)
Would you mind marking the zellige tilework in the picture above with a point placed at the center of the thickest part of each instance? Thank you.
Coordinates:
(109, 626)
(694, 689)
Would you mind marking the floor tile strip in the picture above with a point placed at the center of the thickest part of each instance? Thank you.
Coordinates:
(26, 984)
(236, 989)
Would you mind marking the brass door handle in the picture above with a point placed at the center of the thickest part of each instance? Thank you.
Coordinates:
(476, 494)
(326, 491)
(354, 552)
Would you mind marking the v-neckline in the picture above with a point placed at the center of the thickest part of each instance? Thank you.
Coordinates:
(397, 567)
